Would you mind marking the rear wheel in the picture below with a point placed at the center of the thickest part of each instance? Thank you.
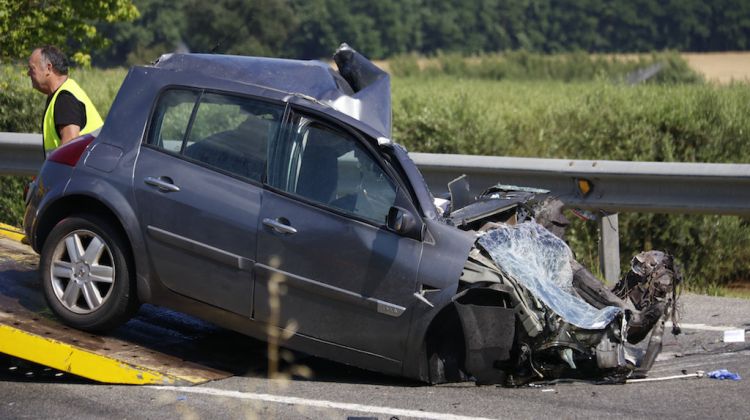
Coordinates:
(87, 274)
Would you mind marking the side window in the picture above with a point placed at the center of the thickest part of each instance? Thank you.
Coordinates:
(225, 132)
(171, 119)
(332, 168)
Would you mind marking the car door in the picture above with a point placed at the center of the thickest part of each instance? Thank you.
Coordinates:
(327, 264)
(198, 188)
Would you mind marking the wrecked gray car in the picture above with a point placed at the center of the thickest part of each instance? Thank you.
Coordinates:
(266, 196)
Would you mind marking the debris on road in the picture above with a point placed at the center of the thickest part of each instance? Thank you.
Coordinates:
(734, 336)
(724, 374)
(697, 374)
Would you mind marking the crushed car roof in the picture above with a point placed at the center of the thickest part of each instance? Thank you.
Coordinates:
(359, 89)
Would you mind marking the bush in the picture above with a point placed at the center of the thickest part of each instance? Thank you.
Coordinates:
(405, 65)
(20, 106)
(20, 112)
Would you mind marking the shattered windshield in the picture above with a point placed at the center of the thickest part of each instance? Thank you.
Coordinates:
(540, 261)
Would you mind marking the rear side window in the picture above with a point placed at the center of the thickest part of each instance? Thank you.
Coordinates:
(172, 118)
(225, 132)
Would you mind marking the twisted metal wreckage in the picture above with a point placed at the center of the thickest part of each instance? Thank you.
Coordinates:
(555, 318)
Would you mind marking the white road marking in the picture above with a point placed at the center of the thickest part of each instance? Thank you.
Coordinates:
(317, 403)
(703, 327)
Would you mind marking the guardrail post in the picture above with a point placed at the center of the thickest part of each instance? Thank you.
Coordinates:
(609, 247)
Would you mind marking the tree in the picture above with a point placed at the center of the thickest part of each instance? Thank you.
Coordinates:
(260, 27)
(68, 24)
(158, 30)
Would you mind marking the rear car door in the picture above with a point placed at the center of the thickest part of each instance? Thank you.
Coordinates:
(198, 188)
(326, 262)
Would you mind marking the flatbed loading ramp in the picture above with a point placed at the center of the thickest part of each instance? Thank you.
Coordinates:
(134, 354)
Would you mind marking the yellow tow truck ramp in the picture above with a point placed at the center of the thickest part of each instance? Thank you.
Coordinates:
(28, 331)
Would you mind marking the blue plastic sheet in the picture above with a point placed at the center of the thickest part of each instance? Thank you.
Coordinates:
(723, 374)
(540, 262)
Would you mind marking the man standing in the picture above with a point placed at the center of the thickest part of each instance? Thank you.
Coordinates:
(69, 113)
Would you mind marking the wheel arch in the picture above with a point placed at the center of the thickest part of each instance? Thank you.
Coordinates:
(471, 334)
(444, 347)
(73, 204)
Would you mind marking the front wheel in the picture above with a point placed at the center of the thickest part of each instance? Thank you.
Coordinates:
(87, 275)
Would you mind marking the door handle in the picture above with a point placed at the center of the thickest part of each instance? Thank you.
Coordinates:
(163, 183)
(279, 225)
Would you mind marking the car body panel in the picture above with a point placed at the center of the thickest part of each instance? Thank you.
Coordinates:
(43, 192)
(197, 247)
(446, 249)
(347, 282)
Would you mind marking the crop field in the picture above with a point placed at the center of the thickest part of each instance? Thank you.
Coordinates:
(598, 118)
(718, 67)
(724, 67)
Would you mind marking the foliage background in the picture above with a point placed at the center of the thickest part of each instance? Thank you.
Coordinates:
(525, 104)
(70, 24)
(110, 33)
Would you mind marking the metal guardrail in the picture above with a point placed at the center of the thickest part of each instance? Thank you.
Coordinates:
(616, 186)
(20, 153)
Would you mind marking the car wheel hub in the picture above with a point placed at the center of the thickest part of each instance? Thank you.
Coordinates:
(82, 272)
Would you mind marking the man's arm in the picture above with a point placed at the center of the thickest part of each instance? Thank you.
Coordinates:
(68, 132)
(70, 117)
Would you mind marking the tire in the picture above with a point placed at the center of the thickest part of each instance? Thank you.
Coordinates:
(87, 274)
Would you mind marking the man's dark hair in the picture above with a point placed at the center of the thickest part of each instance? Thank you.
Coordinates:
(57, 58)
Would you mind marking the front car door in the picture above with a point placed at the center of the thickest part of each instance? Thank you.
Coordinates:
(198, 188)
(326, 261)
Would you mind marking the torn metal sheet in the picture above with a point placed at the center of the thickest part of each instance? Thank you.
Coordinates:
(568, 324)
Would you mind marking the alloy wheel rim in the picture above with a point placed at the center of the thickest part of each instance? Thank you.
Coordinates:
(82, 272)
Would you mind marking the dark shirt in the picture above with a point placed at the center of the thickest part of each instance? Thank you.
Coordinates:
(68, 110)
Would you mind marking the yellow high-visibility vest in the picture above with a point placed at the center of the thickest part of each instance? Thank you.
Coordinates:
(93, 120)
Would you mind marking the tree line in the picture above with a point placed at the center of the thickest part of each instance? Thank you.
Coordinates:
(379, 29)
(383, 28)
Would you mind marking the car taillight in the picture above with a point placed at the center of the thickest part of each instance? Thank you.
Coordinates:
(69, 153)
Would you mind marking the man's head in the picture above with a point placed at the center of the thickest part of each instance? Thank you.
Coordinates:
(48, 68)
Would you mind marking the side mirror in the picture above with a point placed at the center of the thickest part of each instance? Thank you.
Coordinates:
(404, 223)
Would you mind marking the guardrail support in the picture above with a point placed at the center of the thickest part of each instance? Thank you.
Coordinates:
(609, 247)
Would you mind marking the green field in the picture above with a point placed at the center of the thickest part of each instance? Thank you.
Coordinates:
(599, 119)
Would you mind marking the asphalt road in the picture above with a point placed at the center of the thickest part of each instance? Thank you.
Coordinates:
(335, 391)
